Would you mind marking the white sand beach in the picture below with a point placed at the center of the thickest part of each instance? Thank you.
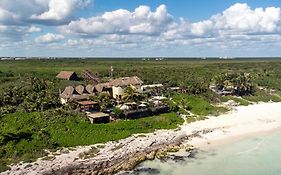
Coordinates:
(241, 122)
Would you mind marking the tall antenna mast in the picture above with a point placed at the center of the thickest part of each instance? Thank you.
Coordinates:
(111, 71)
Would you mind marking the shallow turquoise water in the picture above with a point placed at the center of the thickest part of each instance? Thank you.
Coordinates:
(255, 156)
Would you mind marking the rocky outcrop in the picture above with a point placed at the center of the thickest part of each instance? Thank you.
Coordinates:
(106, 159)
(109, 158)
(126, 159)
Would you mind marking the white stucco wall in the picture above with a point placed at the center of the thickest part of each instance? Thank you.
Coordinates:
(116, 91)
(63, 101)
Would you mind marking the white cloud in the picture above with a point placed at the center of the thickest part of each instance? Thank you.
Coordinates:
(201, 27)
(21, 17)
(16, 33)
(33, 29)
(143, 29)
(47, 12)
(6, 16)
(49, 38)
(60, 10)
(141, 21)
(240, 18)
(237, 19)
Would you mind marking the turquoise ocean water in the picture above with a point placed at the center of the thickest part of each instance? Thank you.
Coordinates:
(260, 155)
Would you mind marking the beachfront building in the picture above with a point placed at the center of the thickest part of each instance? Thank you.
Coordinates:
(120, 84)
(77, 93)
(115, 88)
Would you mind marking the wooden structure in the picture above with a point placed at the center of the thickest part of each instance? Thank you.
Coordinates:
(87, 105)
(68, 75)
(99, 117)
(93, 78)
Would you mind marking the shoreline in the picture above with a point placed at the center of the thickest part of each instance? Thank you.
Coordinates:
(240, 123)
(112, 157)
(206, 145)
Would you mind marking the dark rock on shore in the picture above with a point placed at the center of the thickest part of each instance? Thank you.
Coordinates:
(141, 170)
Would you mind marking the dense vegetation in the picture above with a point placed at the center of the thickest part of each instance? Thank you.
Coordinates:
(172, 72)
(28, 95)
(24, 136)
(197, 105)
(240, 84)
(30, 86)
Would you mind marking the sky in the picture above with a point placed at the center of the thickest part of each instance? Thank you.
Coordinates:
(140, 28)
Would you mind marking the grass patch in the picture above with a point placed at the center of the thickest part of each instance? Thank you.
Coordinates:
(24, 136)
(190, 119)
(240, 101)
(263, 96)
(3, 167)
(197, 105)
(183, 111)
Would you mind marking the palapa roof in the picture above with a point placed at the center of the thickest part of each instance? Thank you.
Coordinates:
(82, 92)
(67, 75)
(80, 89)
(125, 81)
(71, 93)
(91, 76)
(69, 90)
(90, 88)
(100, 87)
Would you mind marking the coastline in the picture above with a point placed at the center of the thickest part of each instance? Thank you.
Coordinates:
(241, 122)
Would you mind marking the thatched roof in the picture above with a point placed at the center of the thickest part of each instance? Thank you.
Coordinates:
(67, 75)
(125, 81)
(71, 93)
(90, 88)
(100, 87)
(68, 91)
(80, 89)
(91, 76)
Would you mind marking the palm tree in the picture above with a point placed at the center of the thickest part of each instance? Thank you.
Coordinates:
(131, 94)
(104, 101)
(241, 83)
